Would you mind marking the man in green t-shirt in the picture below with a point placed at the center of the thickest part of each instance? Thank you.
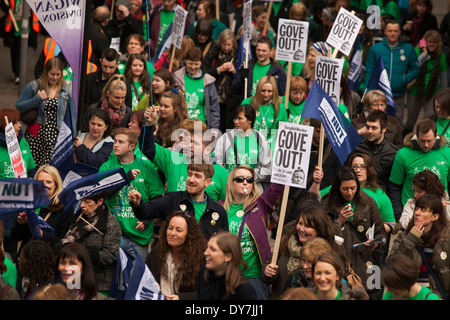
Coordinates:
(146, 181)
(194, 148)
(423, 150)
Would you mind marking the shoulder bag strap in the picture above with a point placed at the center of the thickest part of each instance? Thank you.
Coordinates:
(432, 274)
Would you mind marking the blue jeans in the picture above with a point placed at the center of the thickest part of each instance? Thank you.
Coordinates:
(261, 288)
(141, 250)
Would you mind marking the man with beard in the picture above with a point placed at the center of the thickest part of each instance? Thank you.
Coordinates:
(194, 201)
(378, 147)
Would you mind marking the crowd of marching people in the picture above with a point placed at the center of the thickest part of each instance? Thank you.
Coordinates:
(194, 129)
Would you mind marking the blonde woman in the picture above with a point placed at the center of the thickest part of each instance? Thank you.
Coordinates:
(50, 96)
(248, 213)
(268, 106)
(55, 214)
(113, 101)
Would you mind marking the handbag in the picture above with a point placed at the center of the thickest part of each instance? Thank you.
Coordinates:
(354, 280)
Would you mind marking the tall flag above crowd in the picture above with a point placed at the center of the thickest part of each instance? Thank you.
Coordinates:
(65, 24)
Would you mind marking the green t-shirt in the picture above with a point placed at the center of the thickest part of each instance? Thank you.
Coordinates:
(147, 183)
(199, 208)
(195, 97)
(424, 294)
(6, 170)
(295, 111)
(247, 149)
(248, 245)
(259, 71)
(166, 19)
(408, 163)
(174, 166)
(429, 69)
(10, 275)
(383, 203)
(441, 124)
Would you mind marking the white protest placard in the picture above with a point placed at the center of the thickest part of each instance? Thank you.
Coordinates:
(247, 22)
(179, 22)
(328, 75)
(292, 38)
(344, 31)
(14, 151)
(290, 162)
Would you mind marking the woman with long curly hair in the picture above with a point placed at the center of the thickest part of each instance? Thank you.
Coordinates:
(177, 257)
(138, 76)
(37, 264)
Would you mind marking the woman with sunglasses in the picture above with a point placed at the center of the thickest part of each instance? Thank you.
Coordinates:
(248, 213)
(424, 182)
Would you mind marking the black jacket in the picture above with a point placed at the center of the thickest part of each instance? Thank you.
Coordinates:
(162, 207)
(382, 155)
(214, 288)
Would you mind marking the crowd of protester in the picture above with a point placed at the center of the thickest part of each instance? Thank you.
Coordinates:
(196, 131)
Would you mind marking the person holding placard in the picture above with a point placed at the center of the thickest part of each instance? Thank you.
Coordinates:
(269, 110)
(258, 67)
(6, 169)
(248, 212)
(162, 16)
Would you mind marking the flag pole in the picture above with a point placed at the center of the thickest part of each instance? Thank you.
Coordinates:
(288, 85)
(269, 11)
(83, 67)
(280, 224)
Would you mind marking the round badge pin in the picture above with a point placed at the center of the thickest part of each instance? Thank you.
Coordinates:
(443, 255)
(182, 207)
(240, 213)
(215, 216)
(360, 229)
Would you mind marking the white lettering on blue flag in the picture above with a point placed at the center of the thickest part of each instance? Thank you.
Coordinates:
(332, 122)
(104, 184)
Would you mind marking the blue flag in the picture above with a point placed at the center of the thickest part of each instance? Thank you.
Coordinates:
(133, 279)
(356, 66)
(62, 157)
(240, 58)
(379, 80)
(165, 43)
(37, 224)
(142, 284)
(22, 194)
(91, 185)
(340, 132)
(122, 274)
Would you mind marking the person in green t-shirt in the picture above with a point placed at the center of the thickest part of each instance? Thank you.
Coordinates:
(6, 168)
(423, 149)
(269, 110)
(146, 181)
(327, 277)
(399, 276)
(442, 111)
(192, 148)
(296, 99)
(199, 90)
(138, 76)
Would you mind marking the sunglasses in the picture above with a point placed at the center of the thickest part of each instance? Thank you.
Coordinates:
(241, 179)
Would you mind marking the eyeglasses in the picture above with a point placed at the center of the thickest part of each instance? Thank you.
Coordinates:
(241, 179)
(361, 167)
